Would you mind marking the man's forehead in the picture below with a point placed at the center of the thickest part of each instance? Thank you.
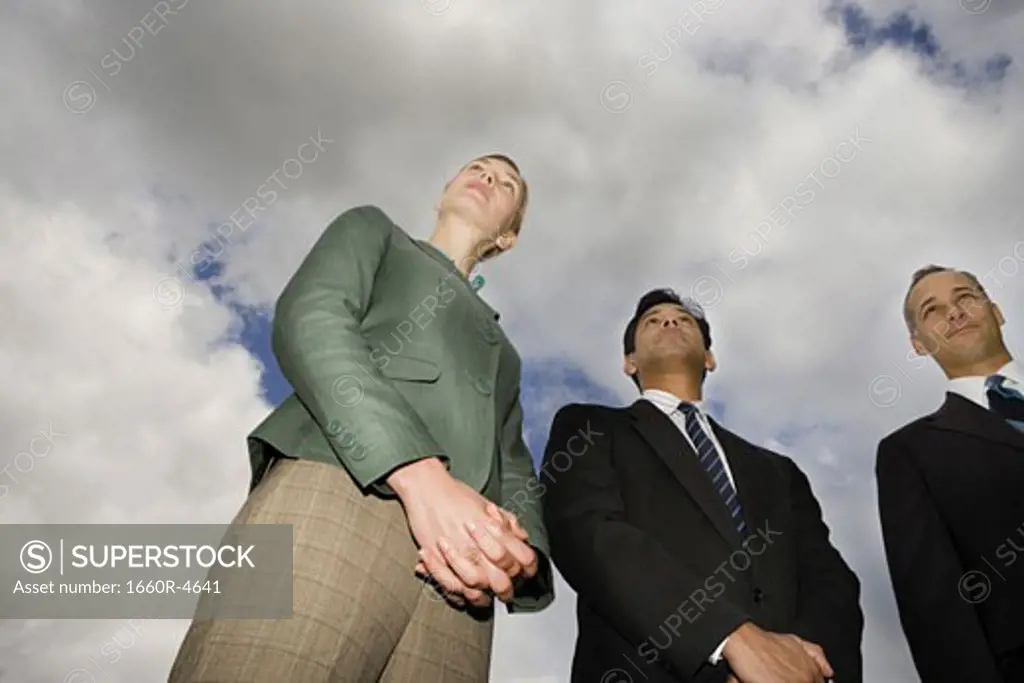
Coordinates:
(942, 282)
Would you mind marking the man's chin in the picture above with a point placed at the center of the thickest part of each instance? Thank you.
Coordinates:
(679, 355)
(967, 354)
(675, 345)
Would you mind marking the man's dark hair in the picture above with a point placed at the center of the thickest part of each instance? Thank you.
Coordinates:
(656, 297)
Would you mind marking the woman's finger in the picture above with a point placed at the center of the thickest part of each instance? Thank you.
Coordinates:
(440, 572)
(496, 553)
(501, 584)
(467, 565)
(522, 553)
(507, 519)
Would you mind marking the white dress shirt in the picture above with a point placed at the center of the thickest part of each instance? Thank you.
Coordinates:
(669, 404)
(973, 388)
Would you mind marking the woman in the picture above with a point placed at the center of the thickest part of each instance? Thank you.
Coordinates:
(404, 431)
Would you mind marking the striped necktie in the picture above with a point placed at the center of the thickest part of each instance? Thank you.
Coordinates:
(712, 463)
(1005, 401)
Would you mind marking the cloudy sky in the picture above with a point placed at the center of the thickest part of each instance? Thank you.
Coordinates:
(787, 163)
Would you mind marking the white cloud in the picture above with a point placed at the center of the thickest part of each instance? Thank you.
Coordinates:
(152, 413)
(115, 411)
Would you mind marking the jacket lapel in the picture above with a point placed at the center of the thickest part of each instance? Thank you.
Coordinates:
(672, 447)
(751, 474)
(958, 414)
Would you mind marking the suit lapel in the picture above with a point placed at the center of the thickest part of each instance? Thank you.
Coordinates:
(751, 474)
(958, 414)
(671, 446)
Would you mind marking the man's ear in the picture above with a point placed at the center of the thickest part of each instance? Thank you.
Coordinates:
(921, 345)
(998, 313)
(628, 366)
(710, 364)
(919, 348)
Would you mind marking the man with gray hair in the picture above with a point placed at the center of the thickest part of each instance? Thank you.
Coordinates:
(950, 491)
(696, 555)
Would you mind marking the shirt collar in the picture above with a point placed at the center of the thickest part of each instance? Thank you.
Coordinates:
(973, 388)
(667, 402)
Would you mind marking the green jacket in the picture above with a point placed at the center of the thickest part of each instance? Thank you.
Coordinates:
(393, 357)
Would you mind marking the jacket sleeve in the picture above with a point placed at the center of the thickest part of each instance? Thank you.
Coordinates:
(317, 340)
(520, 493)
(828, 598)
(618, 569)
(946, 638)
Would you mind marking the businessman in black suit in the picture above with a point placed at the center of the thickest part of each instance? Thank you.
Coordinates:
(951, 492)
(696, 555)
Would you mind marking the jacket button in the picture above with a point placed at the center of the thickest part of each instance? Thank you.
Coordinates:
(758, 596)
(490, 334)
(482, 385)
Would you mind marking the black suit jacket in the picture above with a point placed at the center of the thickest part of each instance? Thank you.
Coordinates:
(661, 574)
(951, 503)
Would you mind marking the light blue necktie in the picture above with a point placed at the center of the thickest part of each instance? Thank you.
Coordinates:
(1005, 401)
(711, 461)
